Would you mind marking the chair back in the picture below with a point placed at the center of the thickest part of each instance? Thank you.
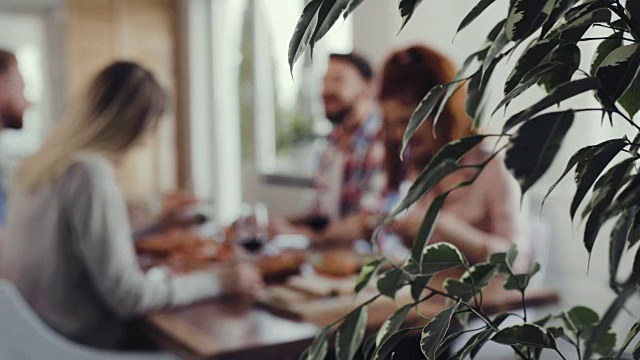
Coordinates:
(24, 336)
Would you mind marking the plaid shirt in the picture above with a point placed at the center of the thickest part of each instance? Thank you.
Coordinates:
(349, 180)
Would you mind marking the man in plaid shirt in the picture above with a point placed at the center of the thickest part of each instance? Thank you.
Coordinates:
(349, 178)
(344, 181)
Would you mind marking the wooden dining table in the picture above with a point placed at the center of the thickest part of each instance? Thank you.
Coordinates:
(283, 325)
(229, 329)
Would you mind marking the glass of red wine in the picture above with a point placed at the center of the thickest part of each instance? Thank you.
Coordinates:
(252, 227)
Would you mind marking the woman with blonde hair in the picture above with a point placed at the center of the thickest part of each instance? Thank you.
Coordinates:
(68, 247)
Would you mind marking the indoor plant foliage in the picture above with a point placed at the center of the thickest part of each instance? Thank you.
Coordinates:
(549, 31)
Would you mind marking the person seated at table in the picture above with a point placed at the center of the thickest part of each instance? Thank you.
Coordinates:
(347, 174)
(69, 247)
(480, 219)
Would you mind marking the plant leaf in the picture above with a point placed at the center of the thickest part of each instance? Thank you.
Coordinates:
(434, 332)
(530, 79)
(353, 4)
(635, 329)
(391, 281)
(369, 346)
(616, 72)
(392, 324)
(633, 9)
(530, 59)
(579, 156)
(452, 87)
(455, 150)
(604, 49)
(635, 272)
(328, 14)
(627, 197)
(350, 334)
(630, 99)
(600, 331)
(319, 347)
(441, 256)
(368, 271)
(449, 339)
(559, 9)
(607, 344)
(494, 33)
(568, 55)
(557, 95)
(603, 194)
(500, 260)
(597, 162)
(418, 286)
(429, 178)
(583, 319)
(474, 344)
(442, 164)
(477, 91)
(477, 341)
(525, 17)
(418, 251)
(471, 282)
(407, 7)
(494, 51)
(389, 345)
(422, 112)
(535, 145)
(525, 335)
(512, 254)
(581, 23)
(582, 9)
(478, 9)
(304, 30)
(634, 231)
(521, 281)
(542, 321)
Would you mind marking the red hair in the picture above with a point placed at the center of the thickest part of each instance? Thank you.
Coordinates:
(407, 76)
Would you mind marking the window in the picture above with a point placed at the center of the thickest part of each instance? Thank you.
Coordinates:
(281, 118)
(24, 35)
(244, 109)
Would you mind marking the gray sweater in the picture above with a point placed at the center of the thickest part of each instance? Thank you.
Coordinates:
(69, 250)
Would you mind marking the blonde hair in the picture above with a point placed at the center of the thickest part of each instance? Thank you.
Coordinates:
(122, 101)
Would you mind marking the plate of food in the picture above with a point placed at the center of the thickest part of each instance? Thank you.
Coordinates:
(182, 250)
(282, 263)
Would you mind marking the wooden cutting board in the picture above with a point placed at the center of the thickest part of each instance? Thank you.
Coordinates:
(309, 302)
(322, 286)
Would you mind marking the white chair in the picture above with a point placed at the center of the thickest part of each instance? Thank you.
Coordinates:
(23, 336)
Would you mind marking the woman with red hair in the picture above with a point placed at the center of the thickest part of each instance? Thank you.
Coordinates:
(480, 219)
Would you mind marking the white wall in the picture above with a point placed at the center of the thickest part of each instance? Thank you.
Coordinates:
(376, 23)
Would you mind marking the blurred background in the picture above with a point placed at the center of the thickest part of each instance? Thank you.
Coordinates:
(241, 127)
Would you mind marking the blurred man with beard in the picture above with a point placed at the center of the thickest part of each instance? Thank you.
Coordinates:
(346, 181)
(12, 106)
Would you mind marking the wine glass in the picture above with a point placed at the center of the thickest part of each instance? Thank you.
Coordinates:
(252, 227)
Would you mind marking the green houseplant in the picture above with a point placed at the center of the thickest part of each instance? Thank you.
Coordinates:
(549, 31)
